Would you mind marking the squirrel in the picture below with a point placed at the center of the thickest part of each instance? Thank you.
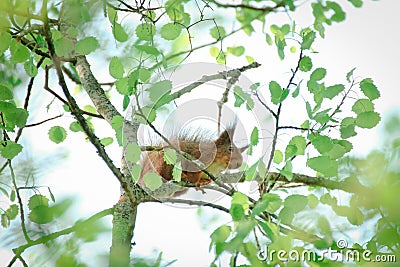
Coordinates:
(217, 156)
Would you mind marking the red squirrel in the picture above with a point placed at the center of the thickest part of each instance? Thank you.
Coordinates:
(216, 156)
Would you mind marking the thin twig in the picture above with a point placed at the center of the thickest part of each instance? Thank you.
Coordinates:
(265, 105)
(191, 202)
(41, 122)
(275, 138)
(28, 96)
(294, 128)
(21, 207)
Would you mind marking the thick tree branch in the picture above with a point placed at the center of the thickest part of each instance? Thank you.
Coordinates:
(94, 90)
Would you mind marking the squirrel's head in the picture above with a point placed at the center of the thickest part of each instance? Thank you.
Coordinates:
(228, 154)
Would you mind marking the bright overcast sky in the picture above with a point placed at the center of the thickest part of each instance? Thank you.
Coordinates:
(368, 39)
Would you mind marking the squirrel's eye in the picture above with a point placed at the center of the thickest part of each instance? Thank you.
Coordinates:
(231, 148)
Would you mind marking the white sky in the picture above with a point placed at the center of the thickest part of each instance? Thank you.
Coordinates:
(368, 40)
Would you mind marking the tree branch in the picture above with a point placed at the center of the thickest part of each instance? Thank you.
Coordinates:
(219, 76)
(347, 185)
(44, 239)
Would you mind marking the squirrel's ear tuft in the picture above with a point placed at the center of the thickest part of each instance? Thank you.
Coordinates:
(227, 136)
(242, 149)
(224, 138)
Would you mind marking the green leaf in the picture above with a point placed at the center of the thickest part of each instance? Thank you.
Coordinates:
(57, 134)
(305, 64)
(237, 212)
(251, 172)
(30, 68)
(119, 32)
(254, 137)
(160, 93)
(276, 92)
(278, 156)
(5, 40)
(90, 108)
(318, 74)
(41, 215)
(338, 15)
(334, 90)
(217, 32)
(369, 89)
(19, 52)
(254, 86)
(296, 91)
(220, 235)
(12, 212)
(236, 50)
(296, 202)
(145, 31)
(250, 59)
(152, 181)
(286, 215)
(284, 95)
(322, 143)
(287, 170)
(312, 201)
(123, 87)
(116, 68)
(5, 92)
(269, 203)
(11, 150)
(240, 199)
(324, 165)
(177, 172)
(149, 113)
(349, 74)
(262, 169)
(347, 127)
(170, 156)
(296, 146)
(355, 217)
(368, 119)
(20, 117)
(336, 152)
(308, 40)
(72, 32)
(170, 31)
(242, 97)
(345, 144)
(142, 74)
(268, 39)
(132, 152)
(5, 222)
(362, 105)
(106, 141)
(117, 122)
(12, 195)
(151, 50)
(309, 111)
(86, 45)
(356, 3)
(64, 47)
(37, 200)
(135, 172)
